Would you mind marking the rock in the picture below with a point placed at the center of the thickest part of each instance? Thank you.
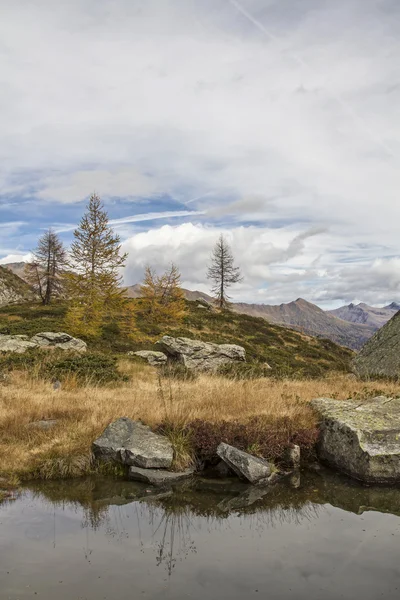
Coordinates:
(158, 477)
(380, 356)
(133, 444)
(21, 343)
(246, 466)
(15, 343)
(44, 424)
(361, 439)
(59, 340)
(202, 356)
(243, 500)
(153, 358)
(293, 456)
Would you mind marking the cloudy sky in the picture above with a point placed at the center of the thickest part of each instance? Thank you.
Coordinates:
(276, 122)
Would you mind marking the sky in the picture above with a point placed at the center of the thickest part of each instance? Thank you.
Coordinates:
(273, 122)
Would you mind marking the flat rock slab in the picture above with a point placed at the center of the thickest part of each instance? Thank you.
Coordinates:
(158, 477)
(201, 356)
(361, 439)
(61, 340)
(133, 444)
(44, 424)
(246, 466)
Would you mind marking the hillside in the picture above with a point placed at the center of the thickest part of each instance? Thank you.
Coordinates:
(12, 288)
(366, 315)
(349, 326)
(380, 357)
(288, 352)
(133, 291)
(312, 320)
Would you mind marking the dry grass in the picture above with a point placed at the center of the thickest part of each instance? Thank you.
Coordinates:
(83, 413)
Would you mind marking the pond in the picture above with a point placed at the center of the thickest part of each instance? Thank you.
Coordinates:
(316, 537)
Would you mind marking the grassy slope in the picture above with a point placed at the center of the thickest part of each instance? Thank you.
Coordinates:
(286, 351)
(278, 409)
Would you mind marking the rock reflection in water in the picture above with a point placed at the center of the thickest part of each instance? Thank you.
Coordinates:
(170, 513)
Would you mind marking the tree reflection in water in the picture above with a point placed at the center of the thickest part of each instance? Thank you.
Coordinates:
(169, 521)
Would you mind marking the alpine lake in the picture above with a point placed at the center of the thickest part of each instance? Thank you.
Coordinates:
(315, 536)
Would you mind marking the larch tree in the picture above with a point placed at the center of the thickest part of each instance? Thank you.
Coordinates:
(162, 298)
(46, 272)
(94, 279)
(222, 272)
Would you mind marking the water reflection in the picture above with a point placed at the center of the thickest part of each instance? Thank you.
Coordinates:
(105, 539)
(169, 516)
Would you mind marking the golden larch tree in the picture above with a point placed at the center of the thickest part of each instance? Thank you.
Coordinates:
(162, 298)
(94, 280)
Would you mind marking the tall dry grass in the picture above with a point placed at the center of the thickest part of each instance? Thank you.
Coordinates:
(83, 413)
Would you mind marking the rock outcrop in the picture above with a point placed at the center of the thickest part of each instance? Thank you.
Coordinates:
(134, 444)
(64, 341)
(201, 356)
(153, 358)
(15, 343)
(22, 343)
(13, 289)
(380, 356)
(361, 439)
(158, 477)
(246, 466)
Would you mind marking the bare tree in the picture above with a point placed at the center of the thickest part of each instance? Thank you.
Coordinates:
(45, 272)
(222, 272)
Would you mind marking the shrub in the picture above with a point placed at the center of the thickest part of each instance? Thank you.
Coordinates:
(96, 369)
(271, 438)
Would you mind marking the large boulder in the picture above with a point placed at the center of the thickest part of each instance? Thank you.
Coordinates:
(21, 343)
(153, 358)
(15, 343)
(246, 466)
(380, 356)
(61, 340)
(361, 439)
(133, 444)
(201, 356)
(158, 477)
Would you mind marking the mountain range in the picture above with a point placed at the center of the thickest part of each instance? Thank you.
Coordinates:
(350, 325)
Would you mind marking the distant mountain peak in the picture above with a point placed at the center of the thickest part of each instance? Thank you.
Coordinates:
(393, 306)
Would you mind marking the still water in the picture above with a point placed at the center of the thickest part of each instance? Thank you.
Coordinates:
(320, 537)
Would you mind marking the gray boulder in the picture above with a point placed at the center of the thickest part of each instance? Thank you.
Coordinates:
(15, 343)
(153, 358)
(361, 439)
(21, 343)
(59, 340)
(133, 444)
(158, 477)
(246, 466)
(201, 356)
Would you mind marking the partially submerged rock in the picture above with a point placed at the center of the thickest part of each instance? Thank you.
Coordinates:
(133, 444)
(158, 477)
(201, 356)
(361, 439)
(21, 343)
(153, 358)
(246, 466)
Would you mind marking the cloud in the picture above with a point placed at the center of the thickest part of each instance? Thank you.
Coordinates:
(271, 116)
(141, 218)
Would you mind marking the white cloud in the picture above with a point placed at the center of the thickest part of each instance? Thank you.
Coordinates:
(142, 99)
